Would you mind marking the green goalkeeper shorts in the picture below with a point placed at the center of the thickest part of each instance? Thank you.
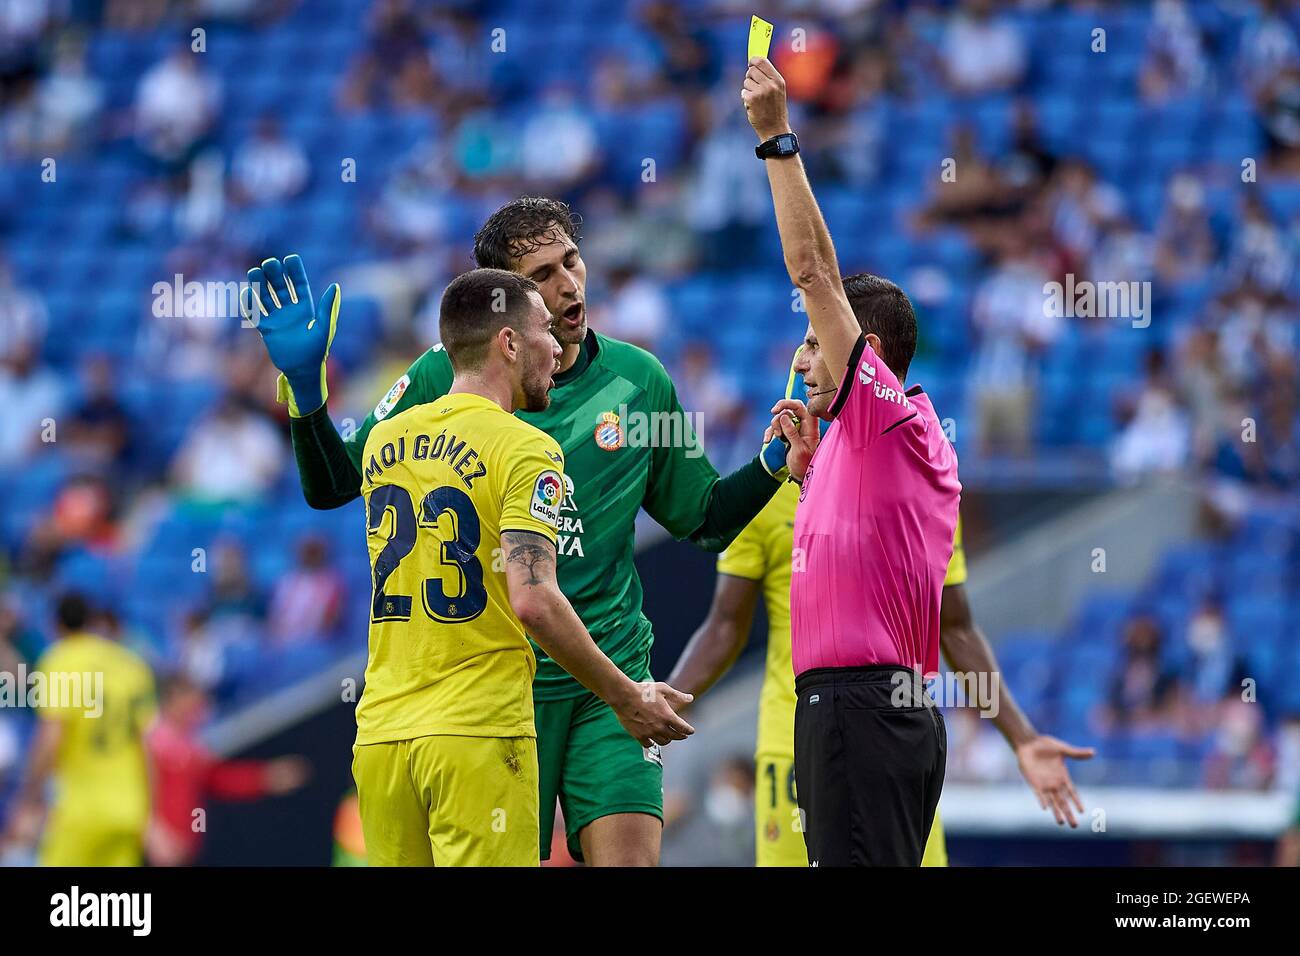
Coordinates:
(594, 767)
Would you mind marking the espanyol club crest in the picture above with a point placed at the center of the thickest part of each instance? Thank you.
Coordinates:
(609, 434)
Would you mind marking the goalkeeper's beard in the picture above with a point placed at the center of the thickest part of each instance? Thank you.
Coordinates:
(575, 336)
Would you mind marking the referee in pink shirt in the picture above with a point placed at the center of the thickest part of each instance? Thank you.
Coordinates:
(872, 538)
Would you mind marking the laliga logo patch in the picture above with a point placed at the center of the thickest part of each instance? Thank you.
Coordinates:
(394, 396)
(609, 434)
(547, 495)
(867, 374)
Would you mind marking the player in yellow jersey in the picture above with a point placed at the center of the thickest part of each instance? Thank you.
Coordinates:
(462, 502)
(96, 700)
(758, 561)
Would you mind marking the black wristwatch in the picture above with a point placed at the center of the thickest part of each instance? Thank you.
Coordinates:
(783, 144)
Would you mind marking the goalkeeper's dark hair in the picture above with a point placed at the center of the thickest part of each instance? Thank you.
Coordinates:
(520, 227)
(882, 307)
(475, 307)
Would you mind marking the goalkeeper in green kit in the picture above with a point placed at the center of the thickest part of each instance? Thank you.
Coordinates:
(610, 789)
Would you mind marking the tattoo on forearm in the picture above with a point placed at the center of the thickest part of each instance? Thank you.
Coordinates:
(532, 553)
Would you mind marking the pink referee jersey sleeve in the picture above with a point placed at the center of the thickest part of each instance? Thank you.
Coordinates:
(871, 400)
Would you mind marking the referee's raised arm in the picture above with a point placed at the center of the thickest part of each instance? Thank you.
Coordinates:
(805, 240)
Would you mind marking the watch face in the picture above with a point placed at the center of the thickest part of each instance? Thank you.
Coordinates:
(785, 142)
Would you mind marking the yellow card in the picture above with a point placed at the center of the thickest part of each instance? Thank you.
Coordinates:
(760, 37)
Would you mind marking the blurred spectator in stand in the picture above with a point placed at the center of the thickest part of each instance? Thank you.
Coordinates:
(70, 97)
(715, 826)
(31, 401)
(22, 26)
(977, 753)
(134, 15)
(614, 232)
(267, 167)
(854, 125)
(233, 455)
(1013, 324)
(558, 143)
(1124, 254)
(99, 431)
(176, 105)
(200, 654)
(1214, 669)
(395, 68)
(1259, 253)
(201, 211)
(1242, 756)
(52, 114)
(1156, 437)
(1185, 246)
(715, 401)
(83, 515)
(20, 643)
(23, 316)
(307, 603)
(1267, 47)
(1174, 65)
(983, 52)
(809, 71)
(728, 202)
(462, 60)
(1143, 694)
(186, 775)
(1080, 207)
(1029, 163)
(975, 192)
(683, 49)
(234, 599)
(635, 308)
(413, 208)
(1203, 386)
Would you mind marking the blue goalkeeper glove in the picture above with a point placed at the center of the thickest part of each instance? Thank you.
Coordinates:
(296, 331)
(773, 454)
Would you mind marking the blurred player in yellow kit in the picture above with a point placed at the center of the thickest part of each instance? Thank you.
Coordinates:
(462, 503)
(98, 701)
(759, 561)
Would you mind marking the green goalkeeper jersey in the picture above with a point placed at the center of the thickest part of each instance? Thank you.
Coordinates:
(621, 453)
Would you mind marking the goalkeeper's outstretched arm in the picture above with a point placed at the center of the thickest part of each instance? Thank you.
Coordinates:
(329, 478)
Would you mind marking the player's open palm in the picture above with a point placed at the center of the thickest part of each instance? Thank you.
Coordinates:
(296, 330)
(1042, 763)
(648, 715)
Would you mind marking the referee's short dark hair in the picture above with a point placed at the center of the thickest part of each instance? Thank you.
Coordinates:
(882, 307)
(72, 612)
(475, 307)
(519, 227)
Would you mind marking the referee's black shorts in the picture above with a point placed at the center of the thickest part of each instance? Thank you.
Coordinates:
(869, 754)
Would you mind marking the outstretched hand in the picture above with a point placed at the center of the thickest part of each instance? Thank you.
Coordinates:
(1042, 764)
(296, 331)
